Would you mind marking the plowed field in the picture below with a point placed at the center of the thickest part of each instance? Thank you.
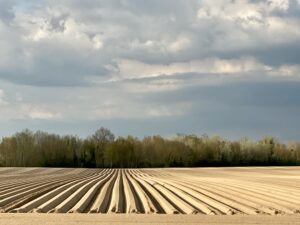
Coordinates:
(211, 191)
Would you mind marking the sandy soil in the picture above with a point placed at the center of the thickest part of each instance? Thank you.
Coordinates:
(256, 191)
(128, 219)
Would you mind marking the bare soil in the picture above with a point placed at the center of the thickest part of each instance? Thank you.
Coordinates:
(251, 194)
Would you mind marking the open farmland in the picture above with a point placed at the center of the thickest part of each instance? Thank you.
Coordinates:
(212, 191)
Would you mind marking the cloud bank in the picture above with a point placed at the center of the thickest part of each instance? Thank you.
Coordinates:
(132, 63)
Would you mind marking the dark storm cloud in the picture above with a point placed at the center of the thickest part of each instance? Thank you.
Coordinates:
(266, 93)
(6, 10)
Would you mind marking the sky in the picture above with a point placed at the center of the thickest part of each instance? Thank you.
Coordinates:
(223, 67)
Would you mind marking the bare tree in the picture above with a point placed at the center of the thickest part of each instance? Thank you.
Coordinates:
(101, 138)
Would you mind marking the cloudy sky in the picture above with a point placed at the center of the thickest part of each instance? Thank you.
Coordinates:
(227, 67)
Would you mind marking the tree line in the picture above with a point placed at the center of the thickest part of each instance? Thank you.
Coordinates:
(103, 149)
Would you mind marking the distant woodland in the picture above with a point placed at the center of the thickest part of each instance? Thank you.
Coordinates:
(102, 149)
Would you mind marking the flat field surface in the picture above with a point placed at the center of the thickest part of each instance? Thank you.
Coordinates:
(249, 194)
(157, 219)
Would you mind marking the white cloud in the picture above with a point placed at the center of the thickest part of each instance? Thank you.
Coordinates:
(238, 25)
(24, 110)
(181, 43)
(162, 45)
(279, 4)
(42, 114)
(167, 111)
(160, 85)
(136, 69)
(286, 71)
(18, 109)
(98, 43)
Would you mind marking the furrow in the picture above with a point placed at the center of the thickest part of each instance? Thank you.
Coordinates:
(163, 203)
(146, 203)
(82, 205)
(61, 196)
(103, 199)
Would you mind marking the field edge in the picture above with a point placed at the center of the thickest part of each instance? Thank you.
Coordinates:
(128, 219)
